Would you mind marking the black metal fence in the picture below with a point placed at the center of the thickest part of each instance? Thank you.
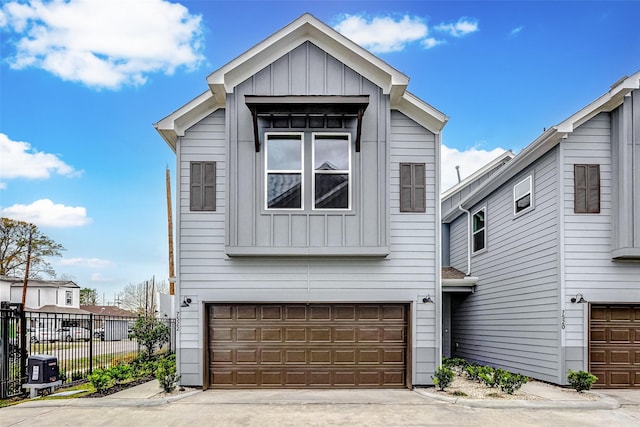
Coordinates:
(80, 342)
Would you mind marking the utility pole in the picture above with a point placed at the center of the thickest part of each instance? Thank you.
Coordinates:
(26, 271)
(172, 273)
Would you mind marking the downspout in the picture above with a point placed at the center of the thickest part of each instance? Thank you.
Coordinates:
(468, 273)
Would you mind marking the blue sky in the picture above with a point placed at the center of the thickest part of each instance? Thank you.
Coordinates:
(82, 81)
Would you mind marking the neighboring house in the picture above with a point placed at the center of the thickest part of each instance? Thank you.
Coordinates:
(549, 246)
(308, 221)
(108, 310)
(63, 294)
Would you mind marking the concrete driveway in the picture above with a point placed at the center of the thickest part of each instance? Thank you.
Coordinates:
(307, 408)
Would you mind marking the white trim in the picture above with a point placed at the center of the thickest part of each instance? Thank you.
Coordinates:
(502, 158)
(290, 171)
(529, 193)
(305, 28)
(340, 171)
(484, 229)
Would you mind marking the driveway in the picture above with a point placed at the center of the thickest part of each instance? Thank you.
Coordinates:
(307, 408)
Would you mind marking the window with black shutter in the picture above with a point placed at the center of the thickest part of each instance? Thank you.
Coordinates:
(412, 187)
(203, 186)
(586, 180)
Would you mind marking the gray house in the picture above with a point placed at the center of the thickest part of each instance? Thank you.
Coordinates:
(308, 223)
(548, 244)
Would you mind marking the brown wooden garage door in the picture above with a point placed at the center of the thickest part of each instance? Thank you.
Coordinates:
(614, 345)
(300, 345)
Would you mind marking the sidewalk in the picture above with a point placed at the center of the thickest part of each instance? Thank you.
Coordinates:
(150, 394)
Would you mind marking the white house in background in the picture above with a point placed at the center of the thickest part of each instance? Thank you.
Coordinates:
(42, 294)
(547, 251)
(308, 228)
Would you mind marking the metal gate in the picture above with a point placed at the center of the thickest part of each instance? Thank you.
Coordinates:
(13, 349)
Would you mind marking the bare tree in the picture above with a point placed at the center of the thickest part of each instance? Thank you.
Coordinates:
(14, 250)
(141, 297)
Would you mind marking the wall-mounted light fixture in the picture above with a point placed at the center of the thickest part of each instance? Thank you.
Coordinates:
(578, 299)
(186, 302)
(427, 299)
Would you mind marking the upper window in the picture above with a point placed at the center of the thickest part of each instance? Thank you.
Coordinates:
(284, 157)
(586, 188)
(478, 230)
(327, 167)
(412, 187)
(203, 186)
(523, 195)
(331, 171)
(68, 298)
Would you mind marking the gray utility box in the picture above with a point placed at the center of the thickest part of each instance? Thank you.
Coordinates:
(42, 369)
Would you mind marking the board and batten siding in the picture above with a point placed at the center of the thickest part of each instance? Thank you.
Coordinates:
(588, 267)
(307, 70)
(207, 275)
(512, 320)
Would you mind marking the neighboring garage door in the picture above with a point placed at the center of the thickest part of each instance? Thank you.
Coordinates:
(614, 345)
(307, 345)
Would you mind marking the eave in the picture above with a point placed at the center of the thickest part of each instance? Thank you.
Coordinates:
(549, 139)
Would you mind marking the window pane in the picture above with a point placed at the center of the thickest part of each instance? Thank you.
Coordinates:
(332, 191)
(284, 190)
(478, 221)
(284, 152)
(331, 153)
(522, 188)
(478, 241)
(420, 199)
(523, 203)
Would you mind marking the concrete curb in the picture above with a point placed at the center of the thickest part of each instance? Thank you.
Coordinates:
(605, 402)
(106, 403)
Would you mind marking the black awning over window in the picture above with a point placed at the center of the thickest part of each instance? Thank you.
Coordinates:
(311, 105)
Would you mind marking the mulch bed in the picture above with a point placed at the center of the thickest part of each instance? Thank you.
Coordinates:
(119, 387)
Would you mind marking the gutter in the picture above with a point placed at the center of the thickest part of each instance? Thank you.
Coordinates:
(468, 273)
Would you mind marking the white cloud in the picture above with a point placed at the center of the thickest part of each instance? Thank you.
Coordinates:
(516, 31)
(44, 213)
(103, 43)
(20, 160)
(460, 28)
(469, 160)
(384, 33)
(430, 42)
(86, 262)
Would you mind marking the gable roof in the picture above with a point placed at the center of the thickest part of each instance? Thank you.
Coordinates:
(549, 139)
(305, 28)
(18, 282)
(500, 160)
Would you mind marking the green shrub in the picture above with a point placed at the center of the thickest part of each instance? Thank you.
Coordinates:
(487, 375)
(101, 379)
(472, 371)
(121, 373)
(150, 333)
(509, 382)
(143, 367)
(443, 377)
(166, 373)
(581, 380)
(455, 363)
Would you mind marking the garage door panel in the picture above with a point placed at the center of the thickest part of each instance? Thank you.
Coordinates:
(614, 345)
(299, 345)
